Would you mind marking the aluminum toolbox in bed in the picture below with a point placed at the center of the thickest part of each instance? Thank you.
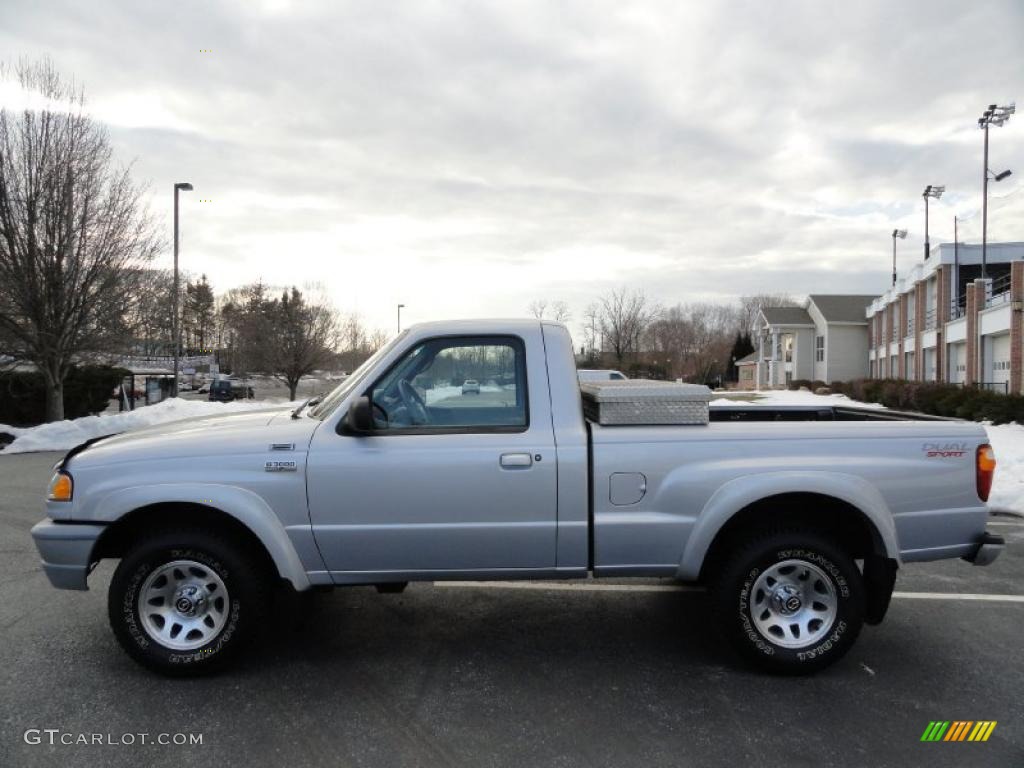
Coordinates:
(640, 401)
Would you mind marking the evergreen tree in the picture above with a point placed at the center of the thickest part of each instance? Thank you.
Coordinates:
(741, 347)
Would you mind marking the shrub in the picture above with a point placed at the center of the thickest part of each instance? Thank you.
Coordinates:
(87, 390)
(936, 399)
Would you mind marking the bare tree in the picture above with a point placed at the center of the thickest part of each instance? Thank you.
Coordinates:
(73, 231)
(623, 317)
(303, 337)
(149, 313)
(751, 305)
(376, 340)
(560, 312)
(592, 333)
(693, 340)
(711, 327)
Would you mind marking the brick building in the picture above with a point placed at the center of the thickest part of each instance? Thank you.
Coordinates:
(943, 322)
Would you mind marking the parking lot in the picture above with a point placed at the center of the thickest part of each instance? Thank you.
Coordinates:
(488, 675)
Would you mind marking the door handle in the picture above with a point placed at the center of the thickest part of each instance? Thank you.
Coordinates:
(516, 460)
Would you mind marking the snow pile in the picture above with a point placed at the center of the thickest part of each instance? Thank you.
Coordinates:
(65, 435)
(1008, 488)
(787, 397)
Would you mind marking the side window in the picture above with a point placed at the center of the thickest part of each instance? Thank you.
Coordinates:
(475, 383)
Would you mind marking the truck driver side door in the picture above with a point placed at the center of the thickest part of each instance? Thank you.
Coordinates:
(459, 476)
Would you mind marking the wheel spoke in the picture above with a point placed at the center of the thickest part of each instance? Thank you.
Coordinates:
(183, 605)
(793, 604)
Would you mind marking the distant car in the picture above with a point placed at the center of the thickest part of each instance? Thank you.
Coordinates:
(594, 374)
(226, 390)
(471, 385)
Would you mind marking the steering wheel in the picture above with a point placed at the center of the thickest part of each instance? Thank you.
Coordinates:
(413, 402)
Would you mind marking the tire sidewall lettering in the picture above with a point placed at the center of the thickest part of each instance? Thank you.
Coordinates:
(132, 620)
(839, 583)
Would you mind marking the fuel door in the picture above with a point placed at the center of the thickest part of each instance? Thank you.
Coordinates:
(626, 488)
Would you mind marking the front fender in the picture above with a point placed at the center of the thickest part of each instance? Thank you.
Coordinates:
(243, 505)
(737, 494)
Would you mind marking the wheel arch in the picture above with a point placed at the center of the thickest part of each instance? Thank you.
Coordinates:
(847, 506)
(850, 527)
(257, 529)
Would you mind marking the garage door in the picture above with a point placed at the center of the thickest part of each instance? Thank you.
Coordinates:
(1001, 358)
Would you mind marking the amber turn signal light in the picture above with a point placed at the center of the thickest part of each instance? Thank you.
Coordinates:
(986, 469)
(61, 487)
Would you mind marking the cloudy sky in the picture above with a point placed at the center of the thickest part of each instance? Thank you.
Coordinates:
(464, 158)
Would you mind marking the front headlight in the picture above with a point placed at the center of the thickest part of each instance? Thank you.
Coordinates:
(61, 487)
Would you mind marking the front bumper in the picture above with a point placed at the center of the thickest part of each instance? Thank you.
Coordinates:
(66, 551)
(987, 549)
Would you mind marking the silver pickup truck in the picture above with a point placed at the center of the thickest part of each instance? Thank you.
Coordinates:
(796, 519)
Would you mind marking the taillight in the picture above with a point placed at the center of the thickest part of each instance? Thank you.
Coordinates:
(986, 463)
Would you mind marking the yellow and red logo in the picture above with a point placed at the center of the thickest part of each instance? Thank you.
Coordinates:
(958, 730)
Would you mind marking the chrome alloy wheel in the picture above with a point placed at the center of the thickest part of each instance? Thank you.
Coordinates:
(793, 604)
(183, 605)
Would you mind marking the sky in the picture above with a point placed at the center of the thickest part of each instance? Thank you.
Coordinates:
(466, 158)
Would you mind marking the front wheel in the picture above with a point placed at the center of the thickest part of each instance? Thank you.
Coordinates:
(790, 602)
(185, 602)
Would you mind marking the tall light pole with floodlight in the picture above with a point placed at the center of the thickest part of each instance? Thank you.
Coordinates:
(901, 234)
(997, 116)
(179, 187)
(930, 191)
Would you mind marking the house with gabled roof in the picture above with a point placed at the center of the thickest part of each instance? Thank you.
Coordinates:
(824, 339)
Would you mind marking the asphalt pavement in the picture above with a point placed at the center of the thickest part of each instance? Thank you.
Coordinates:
(493, 676)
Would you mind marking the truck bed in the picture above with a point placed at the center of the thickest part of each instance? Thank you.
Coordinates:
(813, 413)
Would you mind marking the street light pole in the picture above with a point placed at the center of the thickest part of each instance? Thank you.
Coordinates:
(929, 191)
(400, 317)
(994, 115)
(174, 298)
(901, 234)
(984, 210)
(956, 264)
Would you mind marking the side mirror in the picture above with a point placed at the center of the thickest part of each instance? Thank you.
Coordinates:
(359, 420)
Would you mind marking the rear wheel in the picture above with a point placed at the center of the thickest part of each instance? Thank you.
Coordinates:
(790, 602)
(185, 602)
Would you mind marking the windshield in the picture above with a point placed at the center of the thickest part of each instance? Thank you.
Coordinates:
(326, 406)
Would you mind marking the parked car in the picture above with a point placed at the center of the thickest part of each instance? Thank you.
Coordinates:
(471, 386)
(795, 518)
(226, 390)
(594, 374)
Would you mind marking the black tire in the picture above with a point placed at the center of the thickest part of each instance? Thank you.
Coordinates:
(751, 608)
(237, 568)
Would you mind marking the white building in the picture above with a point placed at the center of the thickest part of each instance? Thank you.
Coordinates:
(826, 340)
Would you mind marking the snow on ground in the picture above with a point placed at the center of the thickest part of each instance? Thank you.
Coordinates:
(1006, 439)
(65, 435)
(1008, 487)
(787, 397)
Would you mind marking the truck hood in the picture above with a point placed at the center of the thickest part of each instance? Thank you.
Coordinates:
(204, 436)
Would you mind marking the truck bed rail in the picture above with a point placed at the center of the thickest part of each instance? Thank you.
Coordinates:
(814, 413)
